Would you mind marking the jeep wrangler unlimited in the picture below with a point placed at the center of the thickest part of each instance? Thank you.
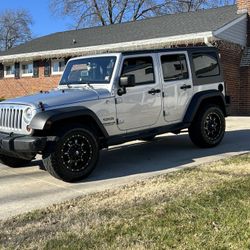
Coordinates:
(109, 99)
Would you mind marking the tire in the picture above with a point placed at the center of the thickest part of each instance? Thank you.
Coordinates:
(148, 138)
(13, 162)
(74, 156)
(208, 128)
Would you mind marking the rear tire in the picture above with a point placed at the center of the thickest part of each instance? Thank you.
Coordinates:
(74, 156)
(208, 128)
(13, 162)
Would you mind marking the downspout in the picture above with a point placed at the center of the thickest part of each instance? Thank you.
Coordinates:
(206, 41)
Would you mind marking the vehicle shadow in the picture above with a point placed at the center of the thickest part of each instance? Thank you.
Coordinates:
(165, 152)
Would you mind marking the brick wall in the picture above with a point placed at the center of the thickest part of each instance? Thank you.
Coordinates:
(244, 90)
(243, 5)
(11, 87)
(244, 101)
(231, 57)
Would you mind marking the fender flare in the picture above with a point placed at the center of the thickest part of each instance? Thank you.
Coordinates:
(44, 120)
(198, 98)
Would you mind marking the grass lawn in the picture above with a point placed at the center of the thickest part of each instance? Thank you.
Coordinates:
(207, 207)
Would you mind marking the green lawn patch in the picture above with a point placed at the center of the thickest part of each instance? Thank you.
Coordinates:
(207, 207)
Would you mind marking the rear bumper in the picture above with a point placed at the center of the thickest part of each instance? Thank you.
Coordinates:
(21, 146)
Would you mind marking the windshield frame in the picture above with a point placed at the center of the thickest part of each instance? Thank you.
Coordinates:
(79, 59)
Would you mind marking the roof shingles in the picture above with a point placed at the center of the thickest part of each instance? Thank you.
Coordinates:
(157, 27)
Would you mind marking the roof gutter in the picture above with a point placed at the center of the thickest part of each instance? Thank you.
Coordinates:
(115, 47)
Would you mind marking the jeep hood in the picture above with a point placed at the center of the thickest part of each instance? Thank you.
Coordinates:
(60, 97)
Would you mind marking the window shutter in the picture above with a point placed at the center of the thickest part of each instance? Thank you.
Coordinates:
(1, 71)
(47, 68)
(17, 70)
(36, 69)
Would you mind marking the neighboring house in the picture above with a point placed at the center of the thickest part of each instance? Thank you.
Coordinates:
(38, 64)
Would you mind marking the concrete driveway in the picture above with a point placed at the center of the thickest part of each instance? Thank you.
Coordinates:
(28, 188)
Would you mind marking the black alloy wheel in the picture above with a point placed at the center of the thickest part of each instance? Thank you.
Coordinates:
(208, 127)
(213, 126)
(77, 152)
(74, 156)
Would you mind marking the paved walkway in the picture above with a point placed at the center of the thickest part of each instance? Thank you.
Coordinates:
(29, 188)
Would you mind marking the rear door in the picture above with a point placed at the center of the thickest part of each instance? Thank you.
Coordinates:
(141, 106)
(177, 84)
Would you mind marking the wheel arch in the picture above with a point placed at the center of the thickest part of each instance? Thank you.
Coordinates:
(202, 99)
(51, 119)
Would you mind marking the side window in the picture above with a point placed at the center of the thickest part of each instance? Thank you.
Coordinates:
(174, 67)
(141, 67)
(206, 64)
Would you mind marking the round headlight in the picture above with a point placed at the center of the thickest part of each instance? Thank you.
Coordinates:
(27, 115)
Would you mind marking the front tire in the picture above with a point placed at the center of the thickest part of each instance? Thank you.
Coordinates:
(13, 162)
(208, 128)
(74, 156)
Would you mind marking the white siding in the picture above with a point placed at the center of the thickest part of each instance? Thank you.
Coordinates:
(234, 32)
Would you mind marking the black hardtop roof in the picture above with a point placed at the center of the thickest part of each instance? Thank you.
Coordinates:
(188, 49)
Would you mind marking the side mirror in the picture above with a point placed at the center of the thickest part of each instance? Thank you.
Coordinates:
(127, 81)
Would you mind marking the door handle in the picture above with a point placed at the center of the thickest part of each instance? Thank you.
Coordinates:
(154, 91)
(186, 87)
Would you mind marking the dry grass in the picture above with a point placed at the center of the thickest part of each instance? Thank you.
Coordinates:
(207, 207)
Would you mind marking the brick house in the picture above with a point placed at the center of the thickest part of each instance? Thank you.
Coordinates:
(38, 64)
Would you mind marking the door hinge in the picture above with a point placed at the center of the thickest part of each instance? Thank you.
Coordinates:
(163, 94)
(119, 121)
(164, 113)
(118, 100)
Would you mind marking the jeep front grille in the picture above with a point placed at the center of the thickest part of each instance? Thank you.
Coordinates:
(11, 118)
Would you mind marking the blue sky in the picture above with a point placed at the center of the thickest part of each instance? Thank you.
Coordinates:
(44, 21)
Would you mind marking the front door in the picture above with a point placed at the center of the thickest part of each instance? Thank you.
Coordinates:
(177, 85)
(141, 106)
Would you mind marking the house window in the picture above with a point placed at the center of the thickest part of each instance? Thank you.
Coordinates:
(27, 69)
(58, 67)
(9, 71)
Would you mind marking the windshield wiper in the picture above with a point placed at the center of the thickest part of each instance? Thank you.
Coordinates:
(89, 85)
(80, 83)
(68, 85)
(86, 83)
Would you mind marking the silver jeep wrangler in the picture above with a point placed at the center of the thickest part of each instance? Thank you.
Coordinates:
(109, 99)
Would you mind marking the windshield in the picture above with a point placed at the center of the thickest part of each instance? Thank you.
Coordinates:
(89, 70)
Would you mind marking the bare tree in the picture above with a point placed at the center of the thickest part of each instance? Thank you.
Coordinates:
(104, 12)
(14, 28)
(194, 5)
(88, 13)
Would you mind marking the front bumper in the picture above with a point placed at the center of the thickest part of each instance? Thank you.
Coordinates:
(21, 146)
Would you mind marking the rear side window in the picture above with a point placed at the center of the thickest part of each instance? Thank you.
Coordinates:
(206, 64)
(141, 67)
(174, 67)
